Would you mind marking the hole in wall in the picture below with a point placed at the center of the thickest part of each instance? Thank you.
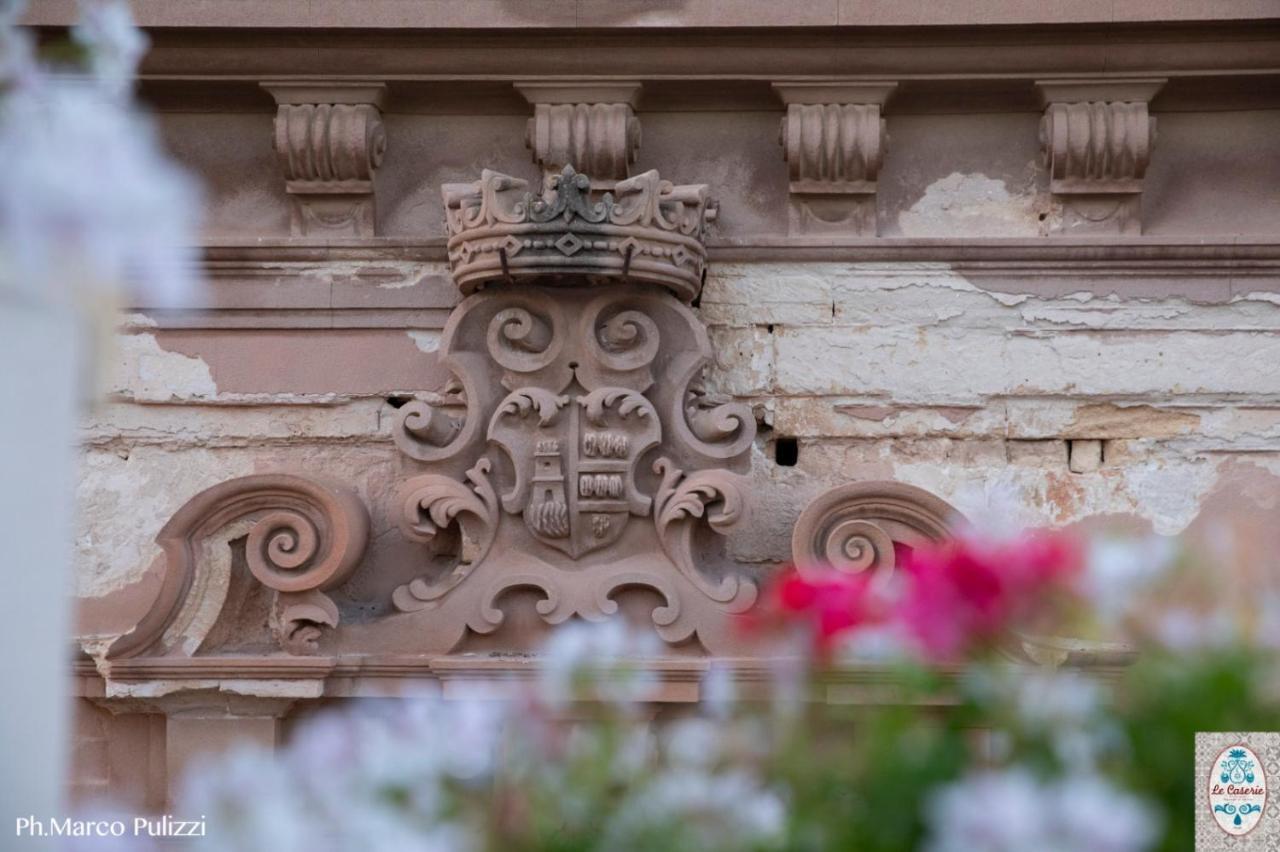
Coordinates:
(769, 327)
(786, 452)
(398, 400)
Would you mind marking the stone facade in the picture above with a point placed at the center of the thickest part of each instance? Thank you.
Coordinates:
(968, 264)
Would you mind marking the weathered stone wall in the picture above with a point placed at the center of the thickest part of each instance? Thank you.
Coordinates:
(975, 346)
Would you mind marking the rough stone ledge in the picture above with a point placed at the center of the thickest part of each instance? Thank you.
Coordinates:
(679, 679)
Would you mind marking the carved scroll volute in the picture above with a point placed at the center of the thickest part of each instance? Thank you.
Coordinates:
(589, 125)
(858, 527)
(1096, 137)
(330, 141)
(832, 138)
(306, 538)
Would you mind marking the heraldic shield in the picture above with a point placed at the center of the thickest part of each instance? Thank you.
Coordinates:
(575, 458)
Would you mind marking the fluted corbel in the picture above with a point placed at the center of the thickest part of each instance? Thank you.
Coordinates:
(589, 125)
(833, 141)
(1096, 137)
(330, 141)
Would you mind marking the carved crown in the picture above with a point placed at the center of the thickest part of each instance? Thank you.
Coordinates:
(647, 230)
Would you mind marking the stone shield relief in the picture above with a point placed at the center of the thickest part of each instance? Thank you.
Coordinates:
(579, 459)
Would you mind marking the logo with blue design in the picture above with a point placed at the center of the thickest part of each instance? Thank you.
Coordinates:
(1233, 798)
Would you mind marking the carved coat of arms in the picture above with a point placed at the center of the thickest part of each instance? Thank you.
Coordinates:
(593, 451)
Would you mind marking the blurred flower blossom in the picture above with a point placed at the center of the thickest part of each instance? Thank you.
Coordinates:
(1012, 810)
(114, 44)
(90, 200)
(698, 810)
(1119, 570)
(600, 660)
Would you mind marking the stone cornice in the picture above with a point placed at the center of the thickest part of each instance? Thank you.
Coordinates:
(678, 679)
(935, 54)
(633, 14)
(392, 283)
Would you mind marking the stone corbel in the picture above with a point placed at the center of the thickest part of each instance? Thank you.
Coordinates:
(833, 141)
(591, 126)
(330, 141)
(1096, 138)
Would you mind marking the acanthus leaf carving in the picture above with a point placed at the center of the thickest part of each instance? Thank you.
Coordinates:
(301, 618)
(681, 499)
(431, 503)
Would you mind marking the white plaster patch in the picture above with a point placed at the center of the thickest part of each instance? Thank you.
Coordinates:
(426, 341)
(1168, 491)
(974, 205)
(123, 502)
(148, 373)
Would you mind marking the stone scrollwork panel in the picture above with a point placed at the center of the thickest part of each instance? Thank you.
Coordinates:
(303, 538)
(864, 526)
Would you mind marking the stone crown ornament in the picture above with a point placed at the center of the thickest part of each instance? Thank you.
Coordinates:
(648, 231)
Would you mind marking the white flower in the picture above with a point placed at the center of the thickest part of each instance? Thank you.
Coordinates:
(719, 692)
(989, 812)
(250, 802)
(1011, 810)
(115, 45)
(17, 56)
(728, 810)
(1056, 699)
(1096, 816)
(1119, 570)
(89, 199)
(604, 660)
(1184, 629)
(694, 742)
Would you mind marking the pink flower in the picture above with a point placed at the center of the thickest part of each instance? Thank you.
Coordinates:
(965, 592)
(950, 599)
(826, 601)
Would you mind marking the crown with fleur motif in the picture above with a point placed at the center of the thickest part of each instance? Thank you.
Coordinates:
(647, 229)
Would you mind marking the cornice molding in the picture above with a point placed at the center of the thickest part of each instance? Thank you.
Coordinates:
(488, 15)
(679, 679)
(270, 284)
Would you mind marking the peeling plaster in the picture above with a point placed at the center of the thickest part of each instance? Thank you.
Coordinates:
(426, 341)
(123, 503)
(1168, 492)
(147, 372)
(976, 205)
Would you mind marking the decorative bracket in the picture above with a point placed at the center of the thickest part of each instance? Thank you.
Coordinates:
(1096, 138)
(330, 141)
(833, 141)
(591, 126)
